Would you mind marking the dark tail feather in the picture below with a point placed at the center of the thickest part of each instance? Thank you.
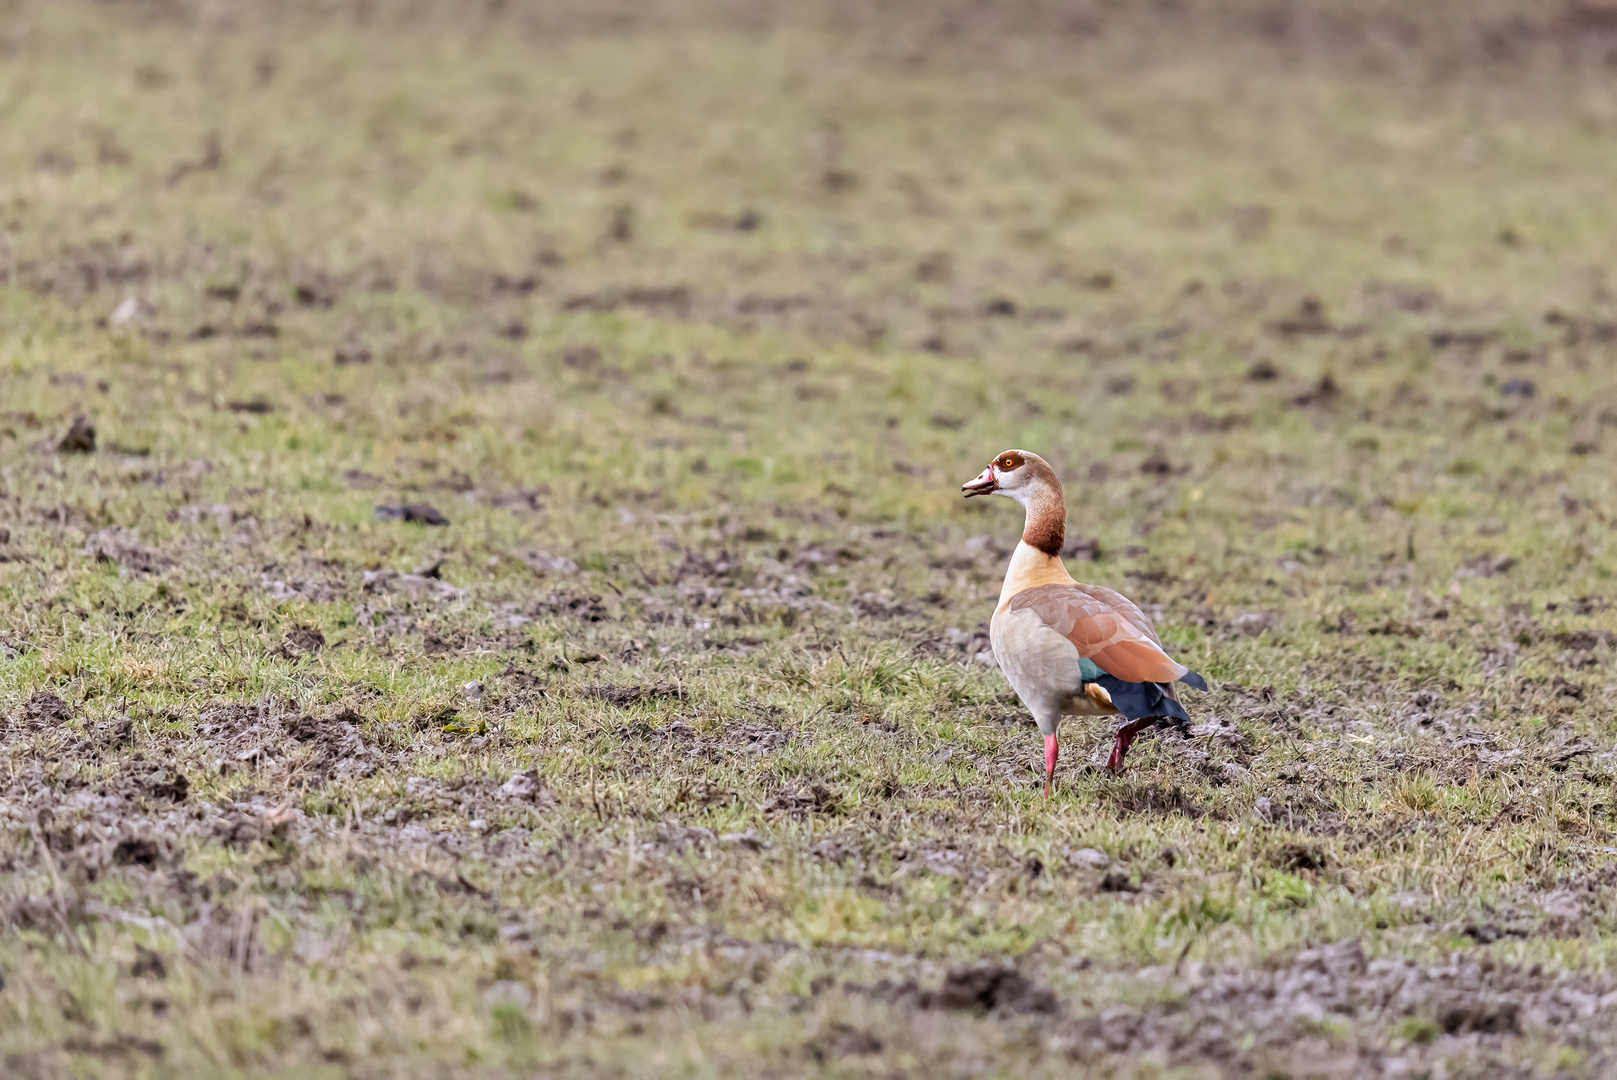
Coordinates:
(1142, 701)
(1191, 678)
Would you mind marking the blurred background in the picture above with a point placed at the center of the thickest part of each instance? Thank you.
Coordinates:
(765, 248)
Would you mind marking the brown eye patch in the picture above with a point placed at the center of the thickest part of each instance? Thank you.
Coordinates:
(1009, 462)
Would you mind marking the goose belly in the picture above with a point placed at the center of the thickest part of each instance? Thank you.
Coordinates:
(1041, 666)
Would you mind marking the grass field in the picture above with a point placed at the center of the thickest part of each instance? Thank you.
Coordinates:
(678, 750)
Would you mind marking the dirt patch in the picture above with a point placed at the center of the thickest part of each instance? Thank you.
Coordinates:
(754, 739)
(801, 798)
(408, 586)
(123, 548)
(435, 644)
(1244, 1018)
(1152, 799)
(959, 646)
(526, 788)
(165, 784)
(623, 697)
(341, 752)
(986, 988)
(43, 711)
(80, 438)
(583, 606)
(300, 640)
(843, 1040)
(136, 851)
(298, 749)
(990, 987)
(412, 513)
(242, 827)
(1296, 857)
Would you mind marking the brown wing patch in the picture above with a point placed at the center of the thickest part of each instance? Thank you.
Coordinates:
(1094, 632)
(1061, 606)
(1124, 607)
(1103, 633)
(1138, 661)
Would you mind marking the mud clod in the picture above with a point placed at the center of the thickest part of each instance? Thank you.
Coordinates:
(622, 697)
(299, 641)
(412, 513)
(990, 987)
(137, 851)
(1296, 857)
(843, 1040)
(801, 798)
(167, 784)
(80, 438)
(42, 711)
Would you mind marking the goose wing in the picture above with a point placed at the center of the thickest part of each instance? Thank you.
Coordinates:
(1108, 629)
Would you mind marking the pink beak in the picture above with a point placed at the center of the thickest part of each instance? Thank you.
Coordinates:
(983, 485)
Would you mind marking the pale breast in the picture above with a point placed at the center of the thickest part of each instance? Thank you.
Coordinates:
(1040, 664)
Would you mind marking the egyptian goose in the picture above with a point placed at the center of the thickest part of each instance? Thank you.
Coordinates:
(1067, 648)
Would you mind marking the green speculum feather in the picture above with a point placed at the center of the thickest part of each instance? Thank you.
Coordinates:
(1089, 671)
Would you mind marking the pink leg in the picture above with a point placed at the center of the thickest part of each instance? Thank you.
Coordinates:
(1050, 752)
(1125, 739)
